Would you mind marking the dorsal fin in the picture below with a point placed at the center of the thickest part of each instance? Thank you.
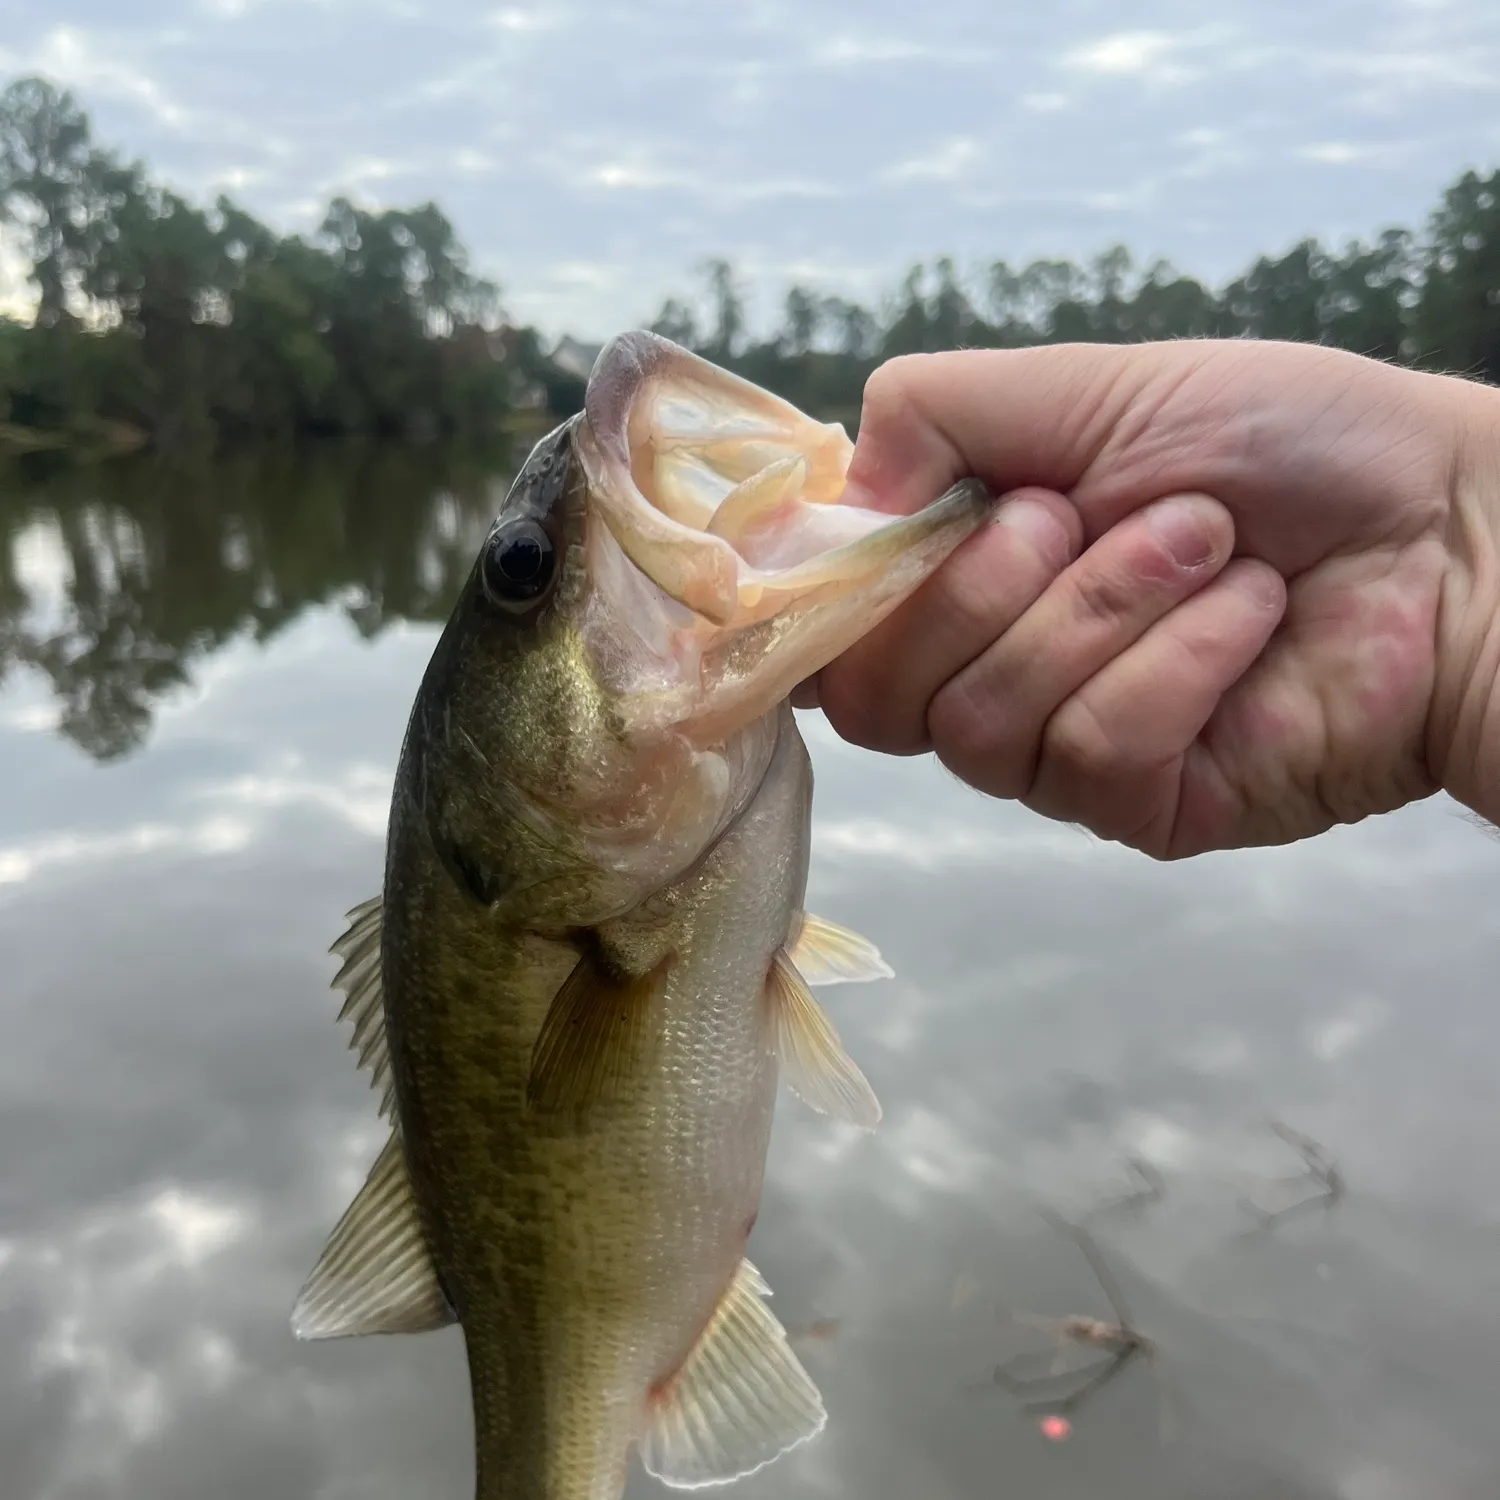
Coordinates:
(740, 1400)
(364, 1003)
(375, 1274)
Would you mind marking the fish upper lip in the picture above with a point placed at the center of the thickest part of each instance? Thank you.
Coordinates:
(623, 366)
(709, 573)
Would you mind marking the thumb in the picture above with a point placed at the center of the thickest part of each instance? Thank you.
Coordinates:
(1012, 417)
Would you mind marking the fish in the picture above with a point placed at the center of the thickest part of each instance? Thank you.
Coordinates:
(587, 970)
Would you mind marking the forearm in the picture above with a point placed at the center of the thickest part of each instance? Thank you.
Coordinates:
(1464, 727)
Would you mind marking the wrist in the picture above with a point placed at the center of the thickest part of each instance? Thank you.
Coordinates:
(1464, 728)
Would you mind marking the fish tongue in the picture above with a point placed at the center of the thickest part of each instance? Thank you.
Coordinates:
(807, 615)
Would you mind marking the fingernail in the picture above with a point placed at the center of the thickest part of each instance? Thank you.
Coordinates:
(1260, 584)
(1036, 523)
(1186, 527)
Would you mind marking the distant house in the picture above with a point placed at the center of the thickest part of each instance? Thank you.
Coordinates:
(552, 382)
(574, 357)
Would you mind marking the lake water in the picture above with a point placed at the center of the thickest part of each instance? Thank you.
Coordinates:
(205, 682)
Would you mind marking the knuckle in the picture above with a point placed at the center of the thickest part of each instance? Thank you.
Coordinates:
(888, 387)
(972, 740)
(1106, 596)
(972, 608)
(1077, 742)
(868, 718)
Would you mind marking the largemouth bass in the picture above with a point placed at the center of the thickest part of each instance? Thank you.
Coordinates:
(589, 963)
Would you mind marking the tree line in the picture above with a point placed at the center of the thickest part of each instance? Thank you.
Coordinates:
(1429, 299)
(161, 321)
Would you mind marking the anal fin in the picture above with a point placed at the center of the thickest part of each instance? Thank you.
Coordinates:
(375, 1274)
(820, 1072)
(740, 1400)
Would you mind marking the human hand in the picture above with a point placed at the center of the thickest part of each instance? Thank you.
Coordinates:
(1317, 642)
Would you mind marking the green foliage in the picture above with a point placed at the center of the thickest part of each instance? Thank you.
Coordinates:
(189, 324)
(1457, 320)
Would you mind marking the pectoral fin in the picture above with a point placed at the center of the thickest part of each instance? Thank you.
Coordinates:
(599, 1032)
(826, 953)
(819, 1070)
(740, 1400)
(375, 1274)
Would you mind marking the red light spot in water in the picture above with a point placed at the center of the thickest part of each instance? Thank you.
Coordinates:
(1055, 1429)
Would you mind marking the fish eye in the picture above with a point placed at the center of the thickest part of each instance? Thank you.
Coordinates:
(518, 565)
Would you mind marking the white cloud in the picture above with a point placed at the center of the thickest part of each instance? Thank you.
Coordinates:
(473, 163)
(1127, 54)
(1417, 68)
(933, 1151)
(360, 797)
(857, 49)
(23, 862)
(1217, 1053)
(937, 845)
(43, 569)
(92, 1279)
(31, 718)
(585, 273)
(949, 161)
(237, 179)
(362, 170)
(637, 176)
(83, 60)
(300, 211)
(1128, 199)
(17, 295)
(518, 19)
(193, 1227)
(1161, 1141)
(1333, 1036)
(1340, 153)
(775, 187)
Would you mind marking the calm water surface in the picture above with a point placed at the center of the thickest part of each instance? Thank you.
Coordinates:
(205, 682)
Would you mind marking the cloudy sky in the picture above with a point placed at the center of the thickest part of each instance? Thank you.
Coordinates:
(592, 152)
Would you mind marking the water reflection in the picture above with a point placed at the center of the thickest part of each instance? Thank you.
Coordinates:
(180, 1121)
(115, 582)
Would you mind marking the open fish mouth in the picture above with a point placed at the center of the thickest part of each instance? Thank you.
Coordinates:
(724, 494)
